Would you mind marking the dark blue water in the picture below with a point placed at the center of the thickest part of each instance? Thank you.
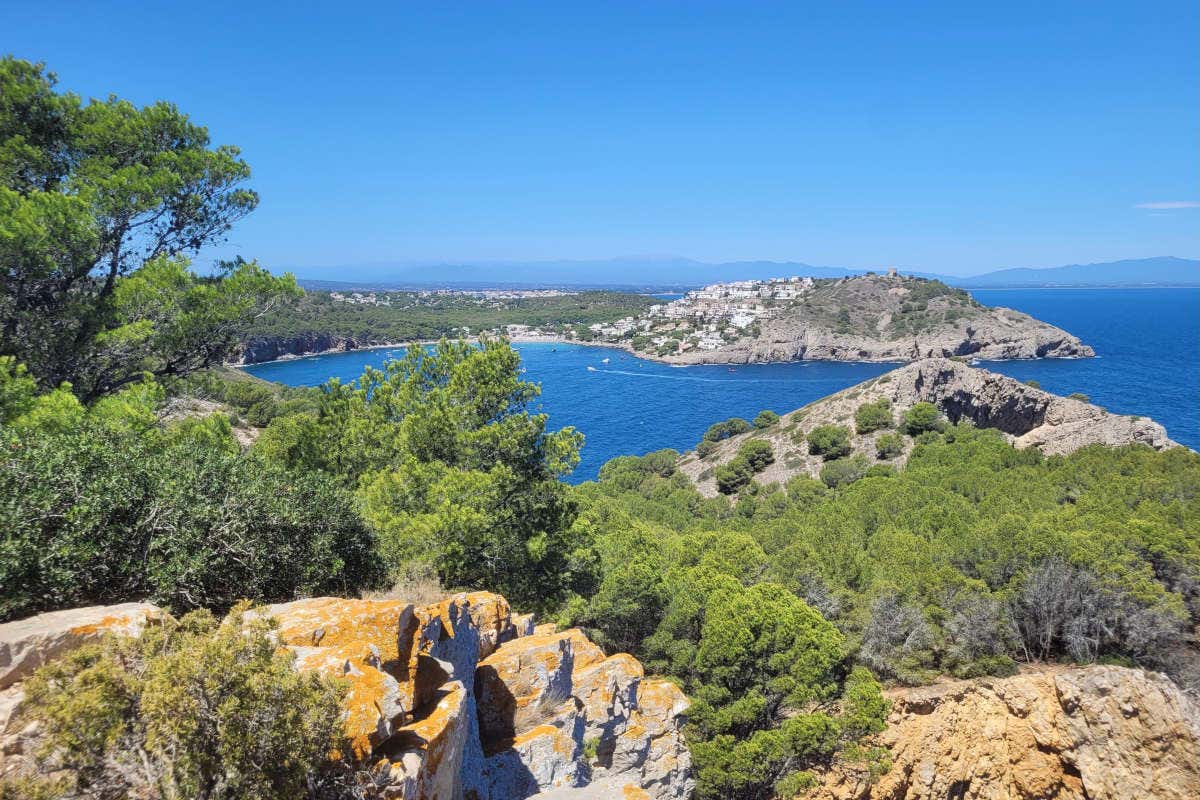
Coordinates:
(1147, 342)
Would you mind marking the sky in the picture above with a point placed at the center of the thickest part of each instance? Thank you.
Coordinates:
(942, 136)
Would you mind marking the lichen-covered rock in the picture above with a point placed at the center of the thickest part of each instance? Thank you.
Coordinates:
(429, 687)
(548, 699)
(28, 643)
(1090, 733)
(652, 747)
(369, 644)
(425, 759)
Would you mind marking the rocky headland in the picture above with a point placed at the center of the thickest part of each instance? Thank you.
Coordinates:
(1026, 415)
(874, 318)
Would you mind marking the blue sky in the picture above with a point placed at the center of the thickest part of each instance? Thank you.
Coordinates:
(951, 137)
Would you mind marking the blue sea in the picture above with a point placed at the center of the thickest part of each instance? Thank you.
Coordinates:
(1147, 343)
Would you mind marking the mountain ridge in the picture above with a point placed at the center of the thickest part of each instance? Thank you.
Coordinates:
(670, 272)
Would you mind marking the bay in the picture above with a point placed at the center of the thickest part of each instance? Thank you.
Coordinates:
(1147, 343)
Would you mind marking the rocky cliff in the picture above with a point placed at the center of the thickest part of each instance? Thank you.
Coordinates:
(1027, 416)
(459, 700)
(1090, 733)
(270, 348)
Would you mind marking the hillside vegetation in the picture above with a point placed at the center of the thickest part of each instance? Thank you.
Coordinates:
(781, 611)
(416, 316)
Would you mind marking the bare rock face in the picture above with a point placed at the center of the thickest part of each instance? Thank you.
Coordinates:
(557, 716)
(1090, 733)
(28, 643)
(1027, 416)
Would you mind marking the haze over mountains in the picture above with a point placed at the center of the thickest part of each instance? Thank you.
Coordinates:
(672, 272)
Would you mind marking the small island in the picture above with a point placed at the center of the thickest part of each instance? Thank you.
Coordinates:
(871, 317)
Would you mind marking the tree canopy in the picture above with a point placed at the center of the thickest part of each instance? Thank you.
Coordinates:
(99, 203)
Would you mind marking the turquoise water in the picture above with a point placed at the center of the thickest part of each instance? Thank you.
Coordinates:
(1147, 342)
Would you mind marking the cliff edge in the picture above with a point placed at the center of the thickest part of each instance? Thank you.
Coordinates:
(1068, 733)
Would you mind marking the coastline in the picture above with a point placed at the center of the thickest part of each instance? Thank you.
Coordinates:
(627, 348)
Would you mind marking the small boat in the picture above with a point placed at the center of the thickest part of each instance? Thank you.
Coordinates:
(592, 369)
(604, 361)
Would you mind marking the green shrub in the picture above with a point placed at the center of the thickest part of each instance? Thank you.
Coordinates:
(923, 417)
(1034, 384)
(842, 471)
(723, 430)
(706, 448)
(829, 441)
(191, 709)
(873, 416)
(758, 454)
(95, 515)
(766, 419)
(1080, 396)
(733, 476)
(889, 445)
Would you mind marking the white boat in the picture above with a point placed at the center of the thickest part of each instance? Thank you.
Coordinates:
(604, 361)
(591, 368)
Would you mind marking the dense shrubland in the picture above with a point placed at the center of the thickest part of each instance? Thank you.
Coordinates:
(972, 559)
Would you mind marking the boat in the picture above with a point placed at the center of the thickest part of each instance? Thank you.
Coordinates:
(604, 361)
(592, 369)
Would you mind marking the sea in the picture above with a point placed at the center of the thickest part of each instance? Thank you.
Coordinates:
(1147, 344)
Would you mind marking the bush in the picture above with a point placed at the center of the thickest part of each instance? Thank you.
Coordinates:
(923, 417)
(842, 471)
(102, 516)
(1080, 396)
(758, 453)
(733, 476)
(889, 445)
(191, 709)
(706, 448)
(766, 419)
(829, 442)
(723, 430)
(1034, 384)
(873, 416)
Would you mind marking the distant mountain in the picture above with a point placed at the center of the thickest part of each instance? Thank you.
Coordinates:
(648, 272)
(645, 273)
(1162, 271)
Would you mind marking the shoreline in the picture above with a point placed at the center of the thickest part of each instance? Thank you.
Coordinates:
(626, 348)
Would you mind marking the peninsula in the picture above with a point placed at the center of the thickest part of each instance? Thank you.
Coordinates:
(865, 318)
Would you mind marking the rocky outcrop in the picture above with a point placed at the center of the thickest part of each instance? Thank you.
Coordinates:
(458, 700)
(570, 717)
(461, 699)
(28, 643)
(1091, 733)
(1027, 416)
(271, 348)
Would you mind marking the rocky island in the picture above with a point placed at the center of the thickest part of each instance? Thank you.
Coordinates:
(866, 318)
